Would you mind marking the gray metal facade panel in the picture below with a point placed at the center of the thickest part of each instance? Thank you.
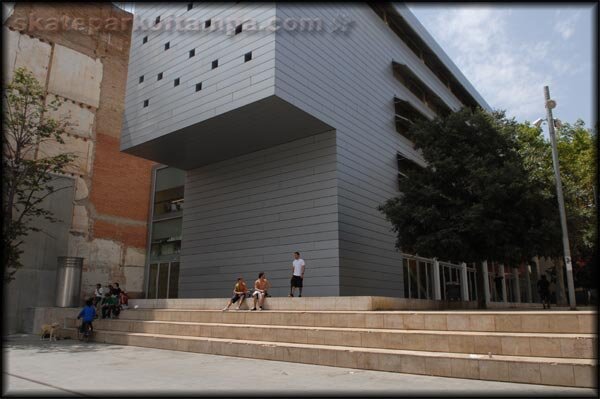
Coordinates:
(248, 214)
(232, 84)
(346, 80)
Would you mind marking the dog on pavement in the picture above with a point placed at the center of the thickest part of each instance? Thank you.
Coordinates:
(50, 330)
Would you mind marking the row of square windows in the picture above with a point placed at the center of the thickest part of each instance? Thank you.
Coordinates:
(207, 23)
(215, 63)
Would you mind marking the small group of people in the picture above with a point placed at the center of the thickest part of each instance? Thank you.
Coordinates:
(262, 285)
(240, 291)
(111, 301)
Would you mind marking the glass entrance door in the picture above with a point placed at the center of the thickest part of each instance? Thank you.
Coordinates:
(163, 280)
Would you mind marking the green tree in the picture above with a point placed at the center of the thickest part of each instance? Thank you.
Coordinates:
(27, 178)
(475, 199)
(578, 160)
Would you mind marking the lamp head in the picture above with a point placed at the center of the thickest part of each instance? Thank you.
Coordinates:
(550, 104)
(538, 122)
(557, 123)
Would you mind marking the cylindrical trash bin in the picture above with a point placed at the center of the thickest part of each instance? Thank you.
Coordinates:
(68, 281)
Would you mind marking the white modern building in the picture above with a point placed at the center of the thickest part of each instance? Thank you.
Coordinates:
(288, 121)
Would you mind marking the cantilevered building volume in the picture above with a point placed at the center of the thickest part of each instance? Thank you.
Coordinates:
(290, 138)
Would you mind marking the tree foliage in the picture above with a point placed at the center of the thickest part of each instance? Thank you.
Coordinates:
(475, 200)
(577, 152)
(27, 177)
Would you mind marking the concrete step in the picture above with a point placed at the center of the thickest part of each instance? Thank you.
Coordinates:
(566, 322)
(583, 346)
(533, 370)
(346, 303)
(331, 303)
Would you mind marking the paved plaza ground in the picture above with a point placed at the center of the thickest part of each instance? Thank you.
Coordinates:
(73, 368)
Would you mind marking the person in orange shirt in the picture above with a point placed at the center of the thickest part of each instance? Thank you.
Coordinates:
(239, 292)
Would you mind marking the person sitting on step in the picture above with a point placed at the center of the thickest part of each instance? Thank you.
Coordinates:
(124, 300)
(260, 290)
(239, 293)
(109, 306)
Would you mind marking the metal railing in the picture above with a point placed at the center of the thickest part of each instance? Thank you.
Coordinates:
(427, 278)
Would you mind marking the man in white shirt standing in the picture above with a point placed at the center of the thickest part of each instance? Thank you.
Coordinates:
(297, 274)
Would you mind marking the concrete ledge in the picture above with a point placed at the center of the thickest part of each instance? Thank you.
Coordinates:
(348, 303)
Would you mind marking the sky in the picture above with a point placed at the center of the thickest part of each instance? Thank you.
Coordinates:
(509, 52)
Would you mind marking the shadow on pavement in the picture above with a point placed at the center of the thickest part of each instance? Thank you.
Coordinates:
(33, 342)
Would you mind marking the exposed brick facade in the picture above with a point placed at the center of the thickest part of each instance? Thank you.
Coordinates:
(121, 183)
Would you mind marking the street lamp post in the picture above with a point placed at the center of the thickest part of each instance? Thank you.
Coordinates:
(559, 193)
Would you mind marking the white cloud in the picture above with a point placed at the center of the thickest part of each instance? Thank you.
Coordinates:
(505, 71)
(566, 26)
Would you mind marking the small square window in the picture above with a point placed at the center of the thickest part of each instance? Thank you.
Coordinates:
(238, 29)
(167, 45)
(207, 23)
(198, 86)
(159, 76)
(145, 40)
(192, 52)
(146, 102)
(215, 64)
(176, 82)
(190, 6)
(141, 78)
(248, 56)
(157, 20)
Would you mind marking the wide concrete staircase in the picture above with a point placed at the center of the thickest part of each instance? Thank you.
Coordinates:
(538, 347)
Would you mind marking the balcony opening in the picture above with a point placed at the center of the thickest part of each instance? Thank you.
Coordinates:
(416, 44)
(198, 86)
(141, 79)
(192, 53)
(238, 29)
(215, 64)
(159, 76)
(167, 45)
(207, 23)
(416, 86)
(145, 40)
(248, 56)
(406, 115)
(176, 82)
(146, 102)
(405, 165)
(157, 20)
(190, 6)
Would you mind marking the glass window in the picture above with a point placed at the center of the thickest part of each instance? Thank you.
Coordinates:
(423, 284)
(174, 280)
(167, 230)
(152, 280)
(169, 189)
(412, 272)
(165, 236)
(163, 280)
